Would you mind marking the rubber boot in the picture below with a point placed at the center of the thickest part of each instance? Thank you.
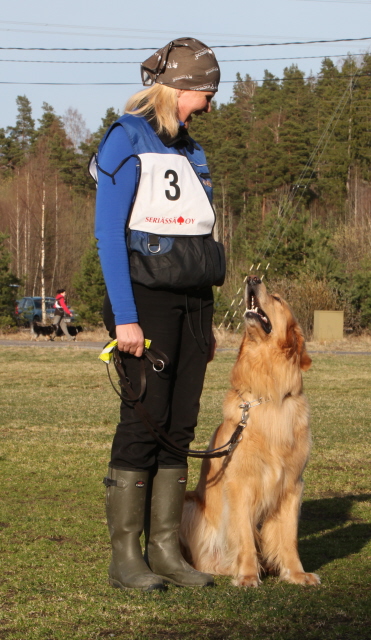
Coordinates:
(125, 507)
(162, 549)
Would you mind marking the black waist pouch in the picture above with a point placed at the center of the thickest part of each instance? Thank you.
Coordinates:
(192, 262)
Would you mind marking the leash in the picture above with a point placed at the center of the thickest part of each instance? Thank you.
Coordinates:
(245, 406)
(159, 361)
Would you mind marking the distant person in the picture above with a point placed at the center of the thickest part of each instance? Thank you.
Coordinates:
(60, 310)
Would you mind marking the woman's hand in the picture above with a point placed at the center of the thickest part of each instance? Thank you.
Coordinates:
(130, 338)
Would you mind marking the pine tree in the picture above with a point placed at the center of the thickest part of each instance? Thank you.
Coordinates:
(223, 135)
(333, 93)
(295, 132)
(360, 292)
(8, 152)
(25, 125)
(8, 286)
(361, 138)
(292, 246)
(16, 142)
(89, 287)
(267, 98)
(51, 139)
(243, 94)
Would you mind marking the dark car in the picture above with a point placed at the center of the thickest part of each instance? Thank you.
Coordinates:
(28, 309)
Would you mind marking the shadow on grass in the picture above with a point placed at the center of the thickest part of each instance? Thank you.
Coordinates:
(344, 532)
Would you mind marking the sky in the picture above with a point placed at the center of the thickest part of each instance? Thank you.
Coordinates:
(77, 24)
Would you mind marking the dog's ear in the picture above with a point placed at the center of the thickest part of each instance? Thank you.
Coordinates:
(294, 339)
(305, 360)
(295, 345)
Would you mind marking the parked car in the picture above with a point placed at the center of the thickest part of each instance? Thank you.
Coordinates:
(28, 309)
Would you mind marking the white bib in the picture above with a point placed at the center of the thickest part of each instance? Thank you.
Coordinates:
(170, 199)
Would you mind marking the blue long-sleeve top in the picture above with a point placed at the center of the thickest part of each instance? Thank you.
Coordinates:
(112, 209)
(114, 202)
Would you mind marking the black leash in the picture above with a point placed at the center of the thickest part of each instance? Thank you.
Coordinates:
(159, 361)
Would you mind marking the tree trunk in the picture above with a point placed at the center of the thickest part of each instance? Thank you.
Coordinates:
(27, 233)
(350, 124)
(42, 260)
(35, 278)
(56, 247)
(230, 225)
(17, 229)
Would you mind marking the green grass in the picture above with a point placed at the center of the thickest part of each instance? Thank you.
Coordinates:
(58, 415)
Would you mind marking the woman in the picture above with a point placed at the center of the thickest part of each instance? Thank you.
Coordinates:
(154, 223)
(60, 310)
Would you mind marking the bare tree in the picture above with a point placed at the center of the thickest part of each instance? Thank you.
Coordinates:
(75, 128)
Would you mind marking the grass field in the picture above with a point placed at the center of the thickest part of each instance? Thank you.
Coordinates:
(58, 415)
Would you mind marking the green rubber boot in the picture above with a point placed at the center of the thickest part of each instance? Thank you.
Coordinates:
(125, 507)
(162, 549)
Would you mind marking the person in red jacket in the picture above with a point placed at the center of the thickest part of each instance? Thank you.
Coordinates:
(60, 310)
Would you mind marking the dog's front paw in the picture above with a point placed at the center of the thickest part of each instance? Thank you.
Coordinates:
(252, 580)
(300, 577)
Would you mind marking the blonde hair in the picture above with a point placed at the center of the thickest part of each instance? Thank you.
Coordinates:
(160, 100)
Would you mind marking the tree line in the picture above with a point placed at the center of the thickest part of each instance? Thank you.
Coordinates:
(290, 164)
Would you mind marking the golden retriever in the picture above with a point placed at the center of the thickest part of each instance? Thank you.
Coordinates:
(243, 516)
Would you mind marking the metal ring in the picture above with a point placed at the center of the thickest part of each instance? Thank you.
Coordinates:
(153, 245)
(160, 368)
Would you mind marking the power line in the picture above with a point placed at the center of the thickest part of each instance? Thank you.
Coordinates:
(66, 33)
(79, 84)
(337, 55)
(217, 46)
(86, 61)
(127, 29)
(281, 44)
(150, 31)
(119, 84)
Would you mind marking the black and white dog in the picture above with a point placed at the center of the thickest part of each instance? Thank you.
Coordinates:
(46, 331)
(51, 331)
(73, 330)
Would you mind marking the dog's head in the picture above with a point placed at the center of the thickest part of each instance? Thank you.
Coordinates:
(269, 318)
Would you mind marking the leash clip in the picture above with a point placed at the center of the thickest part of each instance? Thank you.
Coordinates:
(245, 406)
(237, 436)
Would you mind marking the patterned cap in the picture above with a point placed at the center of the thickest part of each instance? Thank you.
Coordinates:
(185, 63)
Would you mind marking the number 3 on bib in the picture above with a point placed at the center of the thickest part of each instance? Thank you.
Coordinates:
(175, 194)
(170, 199)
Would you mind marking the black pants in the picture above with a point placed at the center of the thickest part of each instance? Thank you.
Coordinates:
(179, 324)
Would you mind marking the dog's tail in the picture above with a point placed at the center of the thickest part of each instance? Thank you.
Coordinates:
(200, 543)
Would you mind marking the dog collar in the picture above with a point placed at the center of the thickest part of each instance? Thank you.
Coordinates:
(245, 406)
